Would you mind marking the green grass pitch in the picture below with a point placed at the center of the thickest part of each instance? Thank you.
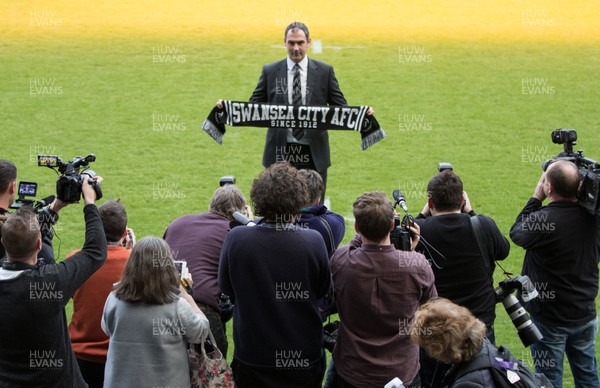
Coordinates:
(137, 101)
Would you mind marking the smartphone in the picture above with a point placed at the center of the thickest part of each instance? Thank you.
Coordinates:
(181, 268)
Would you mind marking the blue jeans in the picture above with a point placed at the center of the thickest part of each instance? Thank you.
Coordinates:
(578, 343)
(329, 374)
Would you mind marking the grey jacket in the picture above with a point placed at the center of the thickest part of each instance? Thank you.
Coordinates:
(148, 343)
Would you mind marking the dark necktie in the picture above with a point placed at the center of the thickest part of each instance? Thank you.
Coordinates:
(297, 99)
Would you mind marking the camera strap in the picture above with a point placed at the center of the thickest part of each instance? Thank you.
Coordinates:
(329, 232)
(487, 263)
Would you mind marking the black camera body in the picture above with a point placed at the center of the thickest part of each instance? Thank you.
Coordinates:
(588, 194)
(442, 166)
(330, 332)
(400, 235)
(72, 175)
(528, 332)
(226, 307)
(227, 180)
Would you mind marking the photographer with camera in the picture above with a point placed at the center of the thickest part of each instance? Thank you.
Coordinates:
(378, 289)
(275, 273)
(316, 215)
(35, 349)
(461, 274)
(330, 225)
(47, 216)
(561, 241)
(89, 342)
(197, 239)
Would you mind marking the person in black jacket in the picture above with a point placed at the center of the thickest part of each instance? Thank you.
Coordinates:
(316, 215)
(562, 242)
(35, 349)
(461, 275)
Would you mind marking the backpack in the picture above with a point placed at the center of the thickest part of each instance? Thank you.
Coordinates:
(506, 370)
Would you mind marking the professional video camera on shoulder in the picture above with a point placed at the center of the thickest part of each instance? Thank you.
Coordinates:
(589, 189)
(72, 174)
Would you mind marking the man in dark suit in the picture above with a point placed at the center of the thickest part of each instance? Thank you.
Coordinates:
(318, 86)
(313, 83)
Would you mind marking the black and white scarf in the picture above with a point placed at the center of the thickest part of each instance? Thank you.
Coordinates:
(250, 114)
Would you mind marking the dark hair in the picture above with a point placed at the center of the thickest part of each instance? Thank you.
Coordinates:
(149, 275)
(314, 183)
(297, 25)
(446, 191)
(226, 200)
(20, 234)
(114, 219)
(373, 214)
(279, 193)
(448, 332)
(564, 178)
(8, 173)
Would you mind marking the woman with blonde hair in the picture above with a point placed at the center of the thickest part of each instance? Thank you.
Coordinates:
(450, 334)
(150, 320)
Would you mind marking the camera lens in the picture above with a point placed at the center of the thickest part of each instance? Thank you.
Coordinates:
(528, 332)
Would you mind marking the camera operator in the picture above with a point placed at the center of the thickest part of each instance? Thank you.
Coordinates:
(35, 349)
(464, 278)
(377, 287)
(561, 241)
(46, 217)
(197, 239)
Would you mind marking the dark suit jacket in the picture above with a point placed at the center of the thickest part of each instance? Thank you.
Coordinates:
(322, 89)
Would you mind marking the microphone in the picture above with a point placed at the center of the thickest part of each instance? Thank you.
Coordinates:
(242, 219)
(399, 198)
(44, 202)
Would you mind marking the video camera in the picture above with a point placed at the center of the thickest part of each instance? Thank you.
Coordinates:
(72, 174)
(29, 189)
(400, 235)
(239, 219)
(589, 189)
(528, 332)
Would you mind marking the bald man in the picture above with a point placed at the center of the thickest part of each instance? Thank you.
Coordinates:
(561, 241)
